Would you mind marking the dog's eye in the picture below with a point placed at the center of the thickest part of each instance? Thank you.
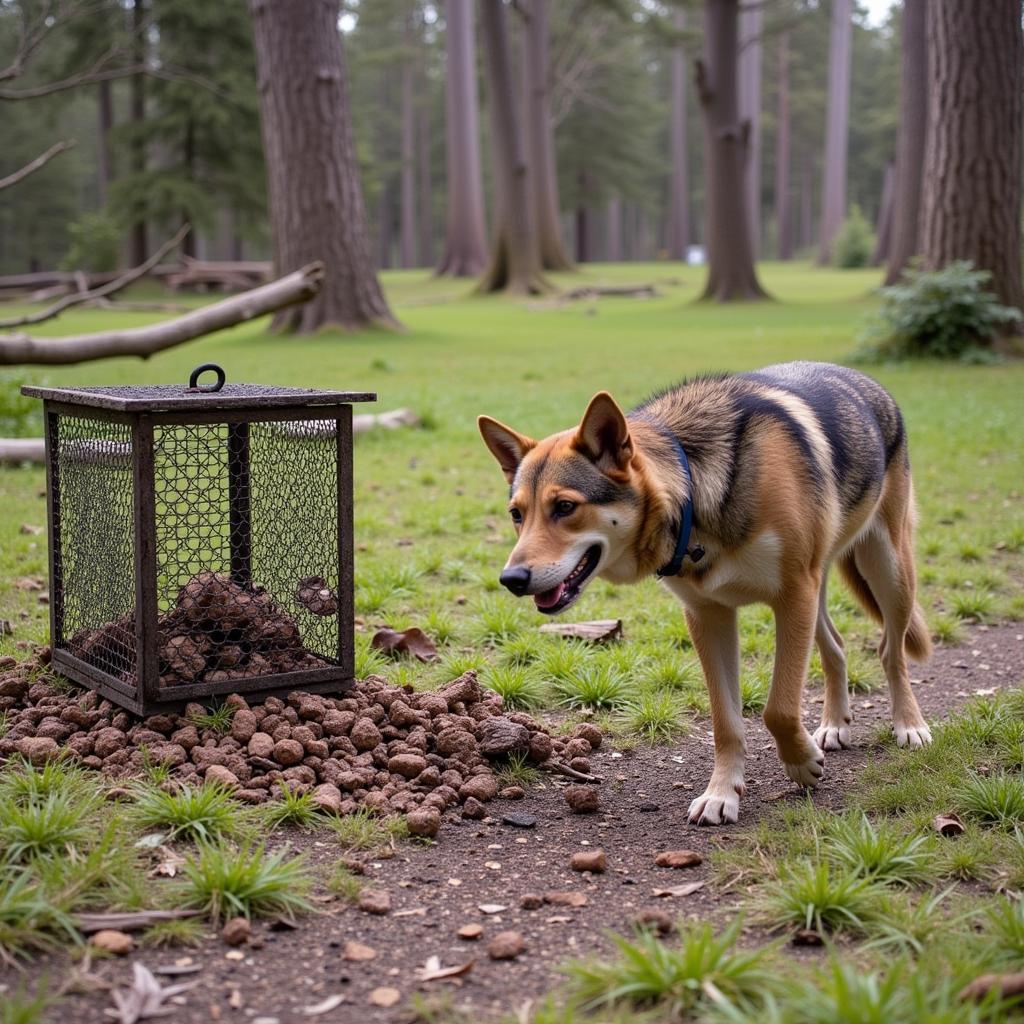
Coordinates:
(517, 516)
(565, 508)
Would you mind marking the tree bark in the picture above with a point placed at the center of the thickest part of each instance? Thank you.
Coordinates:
(731, 273)
(911, 139)
(837, 127)
(678, 238)
(883, 223)
(783, 144)
(542, 177)
(613, 240)
(316, 203)
(465, 250)
(515, 255)
(138, 242)
(584, 225)
(972, 175)
(407, 177)
(104, 126)
(188, 247)
(750, 112)
(425, 182)
(806, 233)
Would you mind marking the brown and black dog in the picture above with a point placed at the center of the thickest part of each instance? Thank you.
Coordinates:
(736, 489)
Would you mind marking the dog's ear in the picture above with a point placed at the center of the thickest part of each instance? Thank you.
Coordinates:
(508, 447)
(603, 434)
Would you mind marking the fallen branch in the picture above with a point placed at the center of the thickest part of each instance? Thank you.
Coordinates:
(88, 295)
(629, 291)
(563, 769)
(20, 349)
(129, 921)
(30, 168)
(1006, 985)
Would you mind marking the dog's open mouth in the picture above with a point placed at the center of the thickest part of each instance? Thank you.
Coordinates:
(552, 601)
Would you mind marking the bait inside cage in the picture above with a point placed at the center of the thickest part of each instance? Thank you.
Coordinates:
(200, 539)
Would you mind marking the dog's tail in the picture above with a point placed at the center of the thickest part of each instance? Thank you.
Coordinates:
(917, 642)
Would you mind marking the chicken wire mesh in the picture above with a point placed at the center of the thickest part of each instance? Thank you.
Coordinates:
(197, 549)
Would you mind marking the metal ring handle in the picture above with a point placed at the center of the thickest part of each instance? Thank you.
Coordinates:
(193, 381)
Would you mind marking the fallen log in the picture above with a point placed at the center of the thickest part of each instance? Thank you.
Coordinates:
(20, 349)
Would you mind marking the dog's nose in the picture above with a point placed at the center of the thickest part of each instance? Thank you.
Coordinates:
(517, 579)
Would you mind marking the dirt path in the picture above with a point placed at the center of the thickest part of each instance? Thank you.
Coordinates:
(436, 890)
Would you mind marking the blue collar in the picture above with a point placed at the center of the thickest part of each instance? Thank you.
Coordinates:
(673, 567)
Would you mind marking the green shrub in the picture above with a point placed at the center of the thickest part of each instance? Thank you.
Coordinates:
(855, 243)
(95, 244)
(945, 314)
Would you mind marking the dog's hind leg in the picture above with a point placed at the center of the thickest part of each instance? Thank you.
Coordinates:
(834, 731)
(714, 632)
(795, 618)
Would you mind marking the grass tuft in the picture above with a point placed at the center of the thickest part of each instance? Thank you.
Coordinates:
(517, 771)
(656, 716)
(216, 718)
(596, 686)
(994, 799)
(517, 686)
(822, 896)
(881, 854)
(203, 813)
(50, 826)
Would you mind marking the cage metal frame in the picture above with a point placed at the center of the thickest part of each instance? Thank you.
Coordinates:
(198, 406)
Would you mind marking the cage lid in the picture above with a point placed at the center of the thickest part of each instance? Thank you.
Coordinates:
(196, 396)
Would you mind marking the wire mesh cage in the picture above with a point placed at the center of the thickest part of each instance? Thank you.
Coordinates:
(200, 539)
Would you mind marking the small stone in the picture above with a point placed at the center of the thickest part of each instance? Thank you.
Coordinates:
(365, 735)
(38, 750)
(261, 745)
(483, 787)
(375, 901)
(658, 920)
(111, 941)
(511, 793)
(582, 799)
(470, 932)
(531, 901)
(506, 946)
(473, 809)
(218, 773)
(588, 732)
(519, 820)
(357, 952)
(407, 765)
(589, 860)
(678, 859)
(807, 937)
(385, 996)
(566, 899)
(500, 736)
(288, 752)
(236, 932)
(424, 822)
(327, 798)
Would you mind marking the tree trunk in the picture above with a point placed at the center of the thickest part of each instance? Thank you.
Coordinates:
(138, 243)
(972, 175)
(385, 223)
(542, 178)
(783, 137)
(584, 226)
(316, 204)
(613, 243)
(188, 245)
(750, 112)
(806, 234)
(731, 273)
(911, 140)
(465, 250)
(515, 255)
(407, 201)
(837, 127)
(679, 186)
(105, 125)
(883, 224)
(426, 188)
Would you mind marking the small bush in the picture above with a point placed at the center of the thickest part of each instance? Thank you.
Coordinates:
(95, 244)
(942, 314)
(855, 243)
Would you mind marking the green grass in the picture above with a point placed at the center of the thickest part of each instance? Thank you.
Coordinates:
(994, 800)
(880, 853)
(363, 830)
(822, 896)
(50, 826)
(217, 718)
(205, 812)
(292, 807)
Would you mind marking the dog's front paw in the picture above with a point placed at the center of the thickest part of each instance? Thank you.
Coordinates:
(912, 736)
(717, 805)
(833, 737)
(807, 773)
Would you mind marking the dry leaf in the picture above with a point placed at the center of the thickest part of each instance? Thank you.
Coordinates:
(679, 890)
(597, 631)
(357, 951)
(433, 971)
(145, 999)
(409, 641)
(491, 908)
(325, 1006)
(412, 912)
(948, 825)
(385, 996)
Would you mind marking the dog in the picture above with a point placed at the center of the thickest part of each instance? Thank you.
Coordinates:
(736, 489)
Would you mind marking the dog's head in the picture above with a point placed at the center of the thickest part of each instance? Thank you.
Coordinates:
(574, 502)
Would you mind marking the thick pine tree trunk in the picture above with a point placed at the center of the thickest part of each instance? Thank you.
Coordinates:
(883, 225)
(188, 153)
(613, 234)
(783, 146)
(407, 177)
(731, 273)
(139, 246)
(465, 250)
(837, 127)
(104, 153)
(806, 233)
(750, 112)
(316, 203)
(515, 255)
(425, 182)
(584, 222)
(972, 175)
(542, 178)
(679, 186)
(911, 140)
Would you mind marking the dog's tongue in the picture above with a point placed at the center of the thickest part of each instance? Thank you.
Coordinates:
(549, 598)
